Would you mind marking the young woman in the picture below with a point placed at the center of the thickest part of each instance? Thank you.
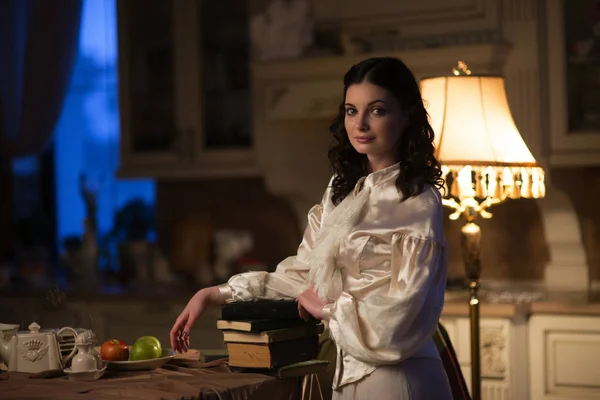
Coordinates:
(372, 261)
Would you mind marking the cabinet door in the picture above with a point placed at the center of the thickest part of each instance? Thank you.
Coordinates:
(564, 354)
(573, 48)
(213, 73)
(152, 136)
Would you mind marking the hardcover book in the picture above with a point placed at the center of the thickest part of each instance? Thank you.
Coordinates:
(261, 309)
(276, 335)
(259, 325)
(273, 355)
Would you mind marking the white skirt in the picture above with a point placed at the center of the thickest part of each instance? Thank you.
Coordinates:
(412, 379)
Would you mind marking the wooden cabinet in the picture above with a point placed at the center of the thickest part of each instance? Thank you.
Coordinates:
(564, 356)
(573, 60)
(184, 89)
(537, 351)
(503, 343)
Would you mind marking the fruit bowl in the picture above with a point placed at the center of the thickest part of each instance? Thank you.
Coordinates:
(142, 365)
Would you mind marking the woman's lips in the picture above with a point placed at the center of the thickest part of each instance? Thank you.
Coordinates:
(364, 139)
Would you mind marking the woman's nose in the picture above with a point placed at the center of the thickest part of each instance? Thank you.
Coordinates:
(362, 123)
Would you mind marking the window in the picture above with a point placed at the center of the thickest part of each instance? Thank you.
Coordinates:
(86, 139)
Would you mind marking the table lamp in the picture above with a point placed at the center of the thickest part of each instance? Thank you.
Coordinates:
(485, 161)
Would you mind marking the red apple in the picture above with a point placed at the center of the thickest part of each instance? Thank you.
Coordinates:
(114, 350)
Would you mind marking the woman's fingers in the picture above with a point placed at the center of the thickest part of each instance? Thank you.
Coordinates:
(175, 333)
(304, 314)
(184, 341)
(311, 304)
(180, 333)
(185, 334)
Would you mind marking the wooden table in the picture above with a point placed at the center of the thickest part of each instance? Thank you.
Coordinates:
(179, 379)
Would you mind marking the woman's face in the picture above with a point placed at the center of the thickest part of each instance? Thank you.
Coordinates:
(374, 121)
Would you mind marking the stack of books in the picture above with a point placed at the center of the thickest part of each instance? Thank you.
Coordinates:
(268, 334)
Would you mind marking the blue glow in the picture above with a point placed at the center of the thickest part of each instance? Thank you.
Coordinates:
(27, 165)
(98, 33)
(87, 134)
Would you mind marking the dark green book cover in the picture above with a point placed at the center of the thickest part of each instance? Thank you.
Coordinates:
(261, 309)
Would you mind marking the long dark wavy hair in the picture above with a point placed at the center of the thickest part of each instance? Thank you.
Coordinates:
(415, 152)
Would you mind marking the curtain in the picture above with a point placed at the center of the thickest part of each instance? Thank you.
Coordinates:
(38, 46)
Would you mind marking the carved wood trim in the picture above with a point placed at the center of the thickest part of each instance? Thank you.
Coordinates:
(408, 18)
(494, 352)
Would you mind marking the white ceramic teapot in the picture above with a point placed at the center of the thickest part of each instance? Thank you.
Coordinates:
(34, 351)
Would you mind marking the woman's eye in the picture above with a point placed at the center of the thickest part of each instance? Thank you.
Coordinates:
(378, 111)
(350, 111)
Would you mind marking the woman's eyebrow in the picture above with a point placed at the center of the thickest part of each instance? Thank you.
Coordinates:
(368, 105)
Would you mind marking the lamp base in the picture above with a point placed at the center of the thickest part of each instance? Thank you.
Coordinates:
(470, 243)
(470, 246)
(475, 340)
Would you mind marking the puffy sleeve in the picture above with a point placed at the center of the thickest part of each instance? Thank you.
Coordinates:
(289, 278)
(394, 310)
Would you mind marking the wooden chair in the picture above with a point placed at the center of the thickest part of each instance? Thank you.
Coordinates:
(456, 378)
(460, 391)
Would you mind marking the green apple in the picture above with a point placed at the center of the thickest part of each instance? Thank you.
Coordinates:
(151, 339)
(145, 350)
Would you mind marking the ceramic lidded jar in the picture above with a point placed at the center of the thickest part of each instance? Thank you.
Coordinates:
(84, 360)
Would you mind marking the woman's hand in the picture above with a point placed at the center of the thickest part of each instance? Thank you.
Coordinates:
(180, 333)
(309, 304)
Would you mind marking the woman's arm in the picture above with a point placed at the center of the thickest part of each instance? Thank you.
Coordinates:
(289, 278)
(180, 332)
(381, 322)
(288, 281)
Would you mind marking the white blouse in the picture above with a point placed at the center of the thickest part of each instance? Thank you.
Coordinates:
(391, 266)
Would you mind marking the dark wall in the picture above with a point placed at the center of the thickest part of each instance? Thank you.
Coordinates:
(513, 243)
(230, 204)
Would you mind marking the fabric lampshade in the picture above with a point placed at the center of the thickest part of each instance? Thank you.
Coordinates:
(477, 141)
